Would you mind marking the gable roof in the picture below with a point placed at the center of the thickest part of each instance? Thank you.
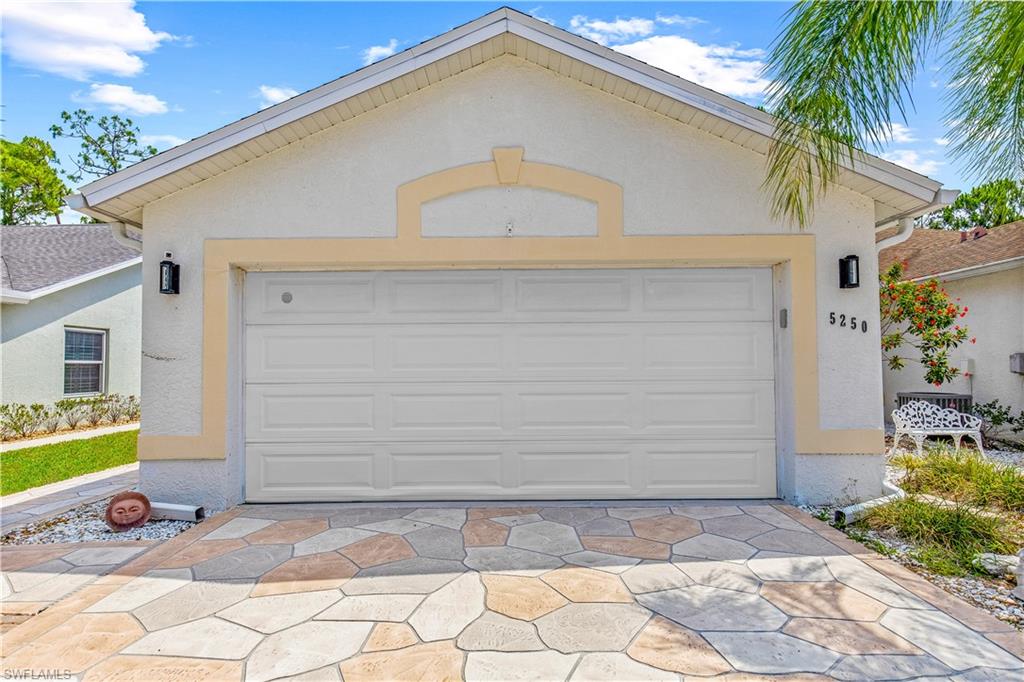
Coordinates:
(897, 191)
(37, 260)
(953, 254)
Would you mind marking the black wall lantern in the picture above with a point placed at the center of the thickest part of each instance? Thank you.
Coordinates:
(849, 272)
(169, 275)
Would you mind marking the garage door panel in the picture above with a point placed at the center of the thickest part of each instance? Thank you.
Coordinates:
(494, 352)
(591, 466)
(747, 468)
(507, 410)
(290, 471)
(730, 294)
(426, 468)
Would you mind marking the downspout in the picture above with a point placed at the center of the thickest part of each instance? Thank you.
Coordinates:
(906, 229)
(122, 235)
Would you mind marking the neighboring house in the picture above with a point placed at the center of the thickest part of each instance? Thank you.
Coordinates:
(505, 263)
(985, 270)
(71, 315)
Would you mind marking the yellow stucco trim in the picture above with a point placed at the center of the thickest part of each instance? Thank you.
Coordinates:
(409, 250)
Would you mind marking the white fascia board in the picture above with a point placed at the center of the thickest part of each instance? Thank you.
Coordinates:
(974, 270)
(14, 296)
(438, 48)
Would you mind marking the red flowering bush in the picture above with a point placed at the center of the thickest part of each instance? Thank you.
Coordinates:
(921, 316)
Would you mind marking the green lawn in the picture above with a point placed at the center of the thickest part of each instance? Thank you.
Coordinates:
(32, 467)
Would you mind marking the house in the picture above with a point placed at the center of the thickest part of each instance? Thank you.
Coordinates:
(985, 270)
(507, 263)
(71, 315)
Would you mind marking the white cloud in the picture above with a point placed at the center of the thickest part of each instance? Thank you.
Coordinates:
(908, 158)
(78, 39)
(941, 141)
(725, 69)
(535, 13)
(162, 141)
(123, 98)
(377, 52)
(897, 132)
(608, 32)
(272, 94)
(677, 20)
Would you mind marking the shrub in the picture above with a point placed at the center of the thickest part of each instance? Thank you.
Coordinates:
(21, 420)
(49, 419)
(996, 419)
(70, 411)
(17, 420)
(947, 536)
(95, 410)
(963, 476)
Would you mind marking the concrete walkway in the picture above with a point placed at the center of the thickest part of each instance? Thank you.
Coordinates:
(480, 592)
(69, 435)
(49, 500)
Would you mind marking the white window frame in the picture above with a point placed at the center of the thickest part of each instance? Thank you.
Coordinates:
(102, 362)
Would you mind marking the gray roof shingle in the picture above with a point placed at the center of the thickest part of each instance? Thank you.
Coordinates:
(37, 256)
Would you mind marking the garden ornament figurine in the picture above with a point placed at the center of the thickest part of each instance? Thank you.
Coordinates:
(127, 510)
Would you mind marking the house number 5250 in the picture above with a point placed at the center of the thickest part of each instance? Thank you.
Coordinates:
(844, 321)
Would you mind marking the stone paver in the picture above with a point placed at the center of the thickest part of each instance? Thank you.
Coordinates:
(546, 537)
(822, 600)
(238, 528)
(771, 652)
(588, 585)
(639, 548)
(948, 640)
(612, 563)
(668, 528)
(309, 592)
(449, 518)
(143, 590)
(305, 647)
(655, 576)
(379, 549)
(193, 601)
(666, 645)
(591, 627)
(510, 560)
(163, 669)
(280, 611)
(374, 607)
(249, 562)
(205, 638)
(537, 666)
(715, 547)
(614, 667)
(521, 597)
(720, 574)
(332, 539)
(440, 661)
(495, 632)
(437, 542)
(411, 576)
(847, 637)
(710, 608)
(390, 636)
(447, 612)
(484, 533)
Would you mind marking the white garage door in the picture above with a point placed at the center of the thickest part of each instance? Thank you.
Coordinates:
(509, 384)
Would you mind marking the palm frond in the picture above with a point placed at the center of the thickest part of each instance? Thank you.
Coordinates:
(841, 72)
(986, 96)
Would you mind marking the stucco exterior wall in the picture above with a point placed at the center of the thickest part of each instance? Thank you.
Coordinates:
(33, 337)
(996, 318)
(342, 182)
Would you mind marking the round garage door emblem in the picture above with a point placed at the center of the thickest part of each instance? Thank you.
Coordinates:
(286, 297)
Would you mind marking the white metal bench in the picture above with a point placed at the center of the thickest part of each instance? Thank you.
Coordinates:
(919, 420)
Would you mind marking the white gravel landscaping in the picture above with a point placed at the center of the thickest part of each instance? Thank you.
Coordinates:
(85, 524)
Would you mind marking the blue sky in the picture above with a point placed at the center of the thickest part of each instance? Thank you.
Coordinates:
(181, 69)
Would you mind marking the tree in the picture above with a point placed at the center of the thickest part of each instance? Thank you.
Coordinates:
(842, 71)
(921, 316)
(990, 205)
(108, 143)
(31, 189)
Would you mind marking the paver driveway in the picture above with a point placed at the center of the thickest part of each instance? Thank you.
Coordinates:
(374, 592)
